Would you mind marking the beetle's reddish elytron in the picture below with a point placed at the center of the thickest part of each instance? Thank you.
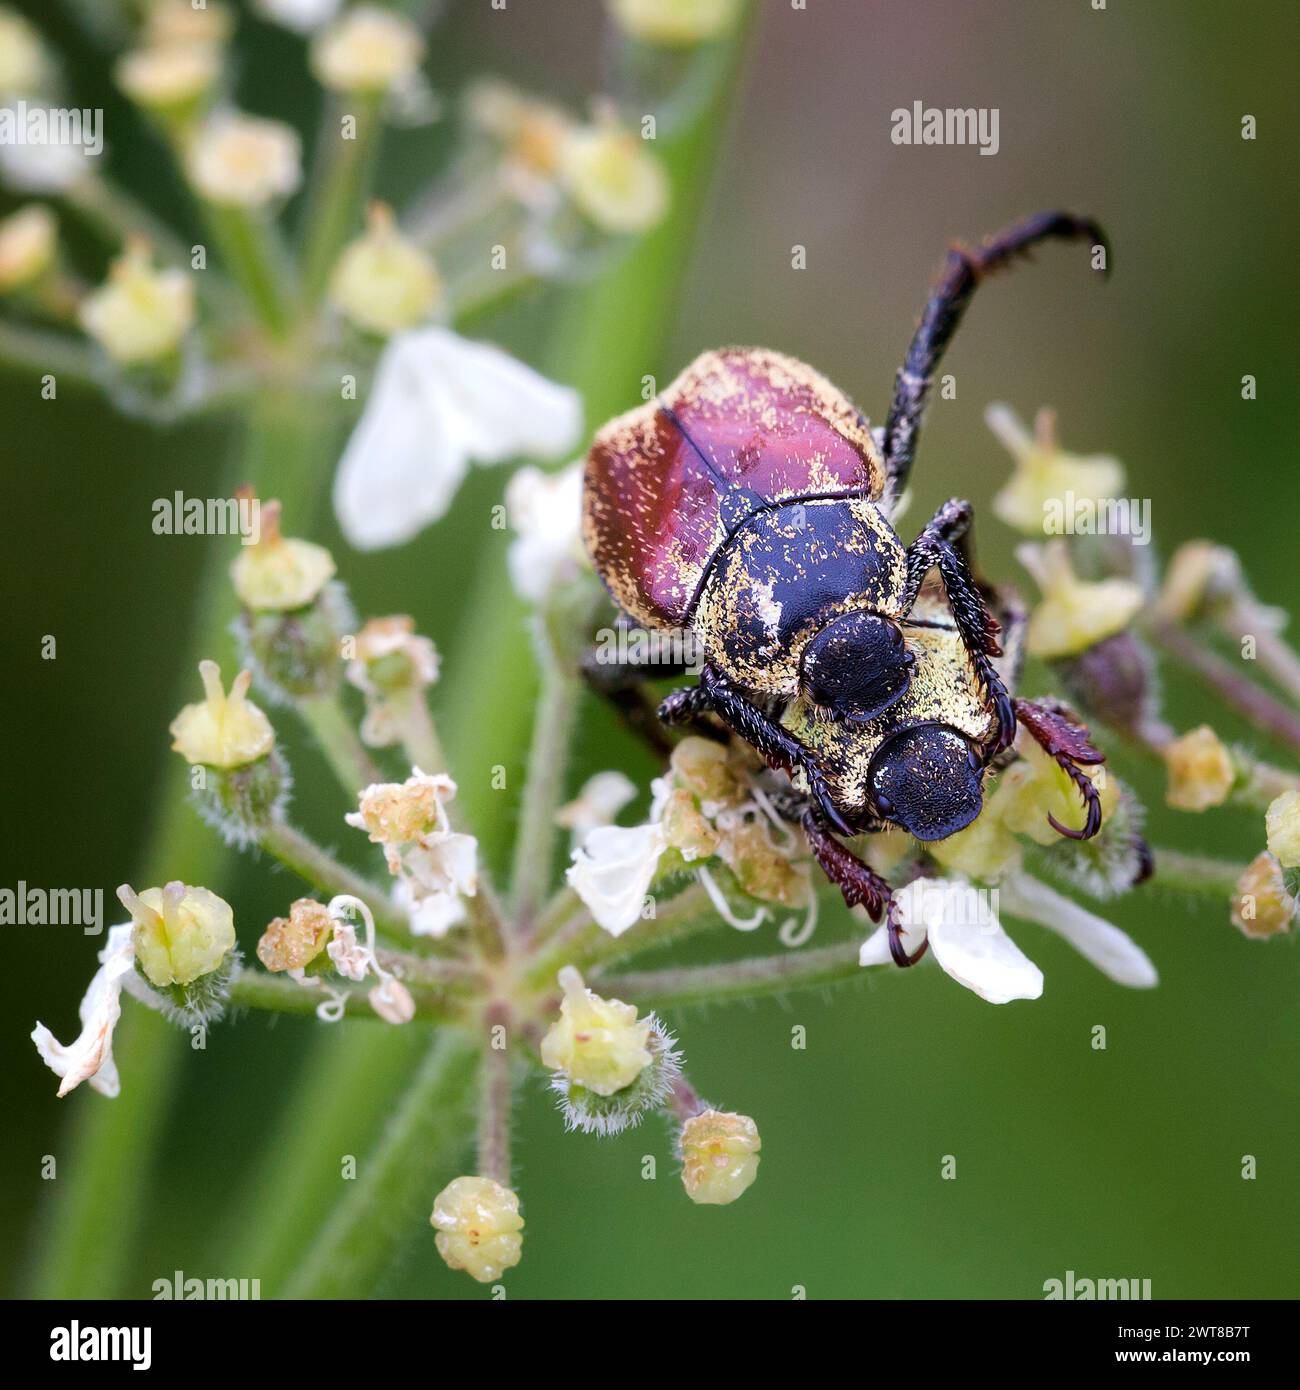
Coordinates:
(751, 503)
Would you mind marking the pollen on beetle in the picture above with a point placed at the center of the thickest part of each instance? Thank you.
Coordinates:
(279, 573)
(720, 1153)
(598, 1043)
(1261, 906)
(478, 1226)
(1201, 770)
(222, 731)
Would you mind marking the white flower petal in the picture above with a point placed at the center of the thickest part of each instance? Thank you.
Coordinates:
(90, 1057)
(1112, 951)
(434, 914)
(602, 797)
(613, 870)
(875, 949)
(447, 862)
(438, 402)
(302, 16)
(546, 511)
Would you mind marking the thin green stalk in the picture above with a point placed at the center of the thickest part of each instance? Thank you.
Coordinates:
(339, 182)
(1195, 873)
(319, 868)
(494, 1115)
(250, 251)
(741, 979)
(258, 989)
(393, 1191)
(26, 349)
(1263, 711)
(557, 708)
(325, 716)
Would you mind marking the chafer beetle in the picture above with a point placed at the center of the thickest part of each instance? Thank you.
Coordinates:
(750, 504)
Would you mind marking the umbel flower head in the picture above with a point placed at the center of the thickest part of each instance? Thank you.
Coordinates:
(720, 1154)
(181, 933)
(222, 731)
(478, 1226)
(140, 314)
(279, 573)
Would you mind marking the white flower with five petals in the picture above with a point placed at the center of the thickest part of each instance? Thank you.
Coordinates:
(613, 870)
(438, 403)
(967, 939)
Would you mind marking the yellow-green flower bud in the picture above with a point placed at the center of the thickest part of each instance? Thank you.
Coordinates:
(279, 573)
(28, 240)
(23, 62)
(1200, 575)
(984, 851)
(384, 283)
(244, 161)
(180, 23)
(674, 23)
(1044, 473)
(616, 182)
(1201, 770)
(367, 50)
(1073, 613)
(479, 1227)
(140, 314)
(168, 78)
(1282, 821)
(1261, 906)
(719, 1156)
(293, 942)
(222, 731)
(599, 1043)
(1035, 786)
(180, 934)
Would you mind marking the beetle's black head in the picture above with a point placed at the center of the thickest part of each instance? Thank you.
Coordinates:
(857, 666)
(928, 780)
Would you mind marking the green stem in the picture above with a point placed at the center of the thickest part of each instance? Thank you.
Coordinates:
(257, 989)
(494, 1115)
(1267, 715)
(741, 979)
(325, 716)
(557, 707)
(25, 349)
(395, 1185)
(319, 868)
(1195, 873)
(339, 182)
(248, 246)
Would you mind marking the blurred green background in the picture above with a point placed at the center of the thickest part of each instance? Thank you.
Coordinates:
(1122, 1163)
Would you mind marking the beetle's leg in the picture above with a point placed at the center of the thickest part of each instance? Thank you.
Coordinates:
(858, 882)
(623, 683)
(962, 272)
(944, 544)
(1070, 746)
(775, 745)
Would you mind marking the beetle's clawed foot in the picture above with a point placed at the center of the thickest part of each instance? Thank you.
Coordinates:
(1070, 746)
(824, 801)
(896, 947)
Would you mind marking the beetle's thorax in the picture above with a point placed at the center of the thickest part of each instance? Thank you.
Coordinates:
(787, 572)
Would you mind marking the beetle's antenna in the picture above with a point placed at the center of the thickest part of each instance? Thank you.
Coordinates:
(962, 272)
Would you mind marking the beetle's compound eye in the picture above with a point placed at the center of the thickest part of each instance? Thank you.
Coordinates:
(857, 666)
(922, 778)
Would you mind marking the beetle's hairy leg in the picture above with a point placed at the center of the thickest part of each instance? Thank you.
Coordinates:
(858, 882)
(962, 273)
(778, 747)
(1070, 746)
(944, 545)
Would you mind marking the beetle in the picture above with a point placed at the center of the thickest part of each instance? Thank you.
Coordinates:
(750, 504)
